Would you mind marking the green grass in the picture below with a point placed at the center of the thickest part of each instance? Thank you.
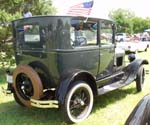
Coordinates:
(110, 109)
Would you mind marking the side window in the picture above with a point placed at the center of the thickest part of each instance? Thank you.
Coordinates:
(106, 33)
(83, 34)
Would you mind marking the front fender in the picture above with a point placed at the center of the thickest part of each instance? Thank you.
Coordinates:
(141, 113)
(132, 69)
(69, 77)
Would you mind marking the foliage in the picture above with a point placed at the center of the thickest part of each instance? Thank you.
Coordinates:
(11, 10)
(140, 24)
(41, 8)
(109, 109)
(128, 22)
(123, 18)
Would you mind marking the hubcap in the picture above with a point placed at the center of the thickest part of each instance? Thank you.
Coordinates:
(79, 102)
(24, 86)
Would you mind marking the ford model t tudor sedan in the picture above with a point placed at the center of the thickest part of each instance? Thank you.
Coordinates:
(67, 61)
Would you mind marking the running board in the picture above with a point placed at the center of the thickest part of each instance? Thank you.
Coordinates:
(111, 87)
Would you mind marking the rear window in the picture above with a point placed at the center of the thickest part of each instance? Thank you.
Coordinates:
(29, 33)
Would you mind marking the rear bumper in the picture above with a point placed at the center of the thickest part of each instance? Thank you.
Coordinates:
(44, 103)
(34, 102)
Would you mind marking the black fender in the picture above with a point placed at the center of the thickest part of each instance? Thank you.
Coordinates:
(132, 69)
(141, 113)
(69, 77)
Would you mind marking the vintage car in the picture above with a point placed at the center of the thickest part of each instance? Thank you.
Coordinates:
(64, 61)
(121, 37)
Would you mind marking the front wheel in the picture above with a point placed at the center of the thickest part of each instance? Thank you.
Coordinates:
(78, 102)
(140, 79)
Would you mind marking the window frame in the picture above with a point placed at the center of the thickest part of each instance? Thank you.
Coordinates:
(100, 33)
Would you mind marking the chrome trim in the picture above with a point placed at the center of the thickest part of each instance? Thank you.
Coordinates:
(44, 103)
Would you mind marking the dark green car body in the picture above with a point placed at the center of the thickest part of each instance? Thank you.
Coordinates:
(54, 51)
(69, 60)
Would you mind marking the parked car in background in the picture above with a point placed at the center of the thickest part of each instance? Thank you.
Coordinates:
(128, 46)
(134, 46)
(145, 36)
(121, 37)
(143, 45)
(141, 113)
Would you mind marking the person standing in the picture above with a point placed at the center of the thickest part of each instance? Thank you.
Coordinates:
(27, 13)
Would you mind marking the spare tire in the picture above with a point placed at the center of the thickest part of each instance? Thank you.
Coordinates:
(27, 84)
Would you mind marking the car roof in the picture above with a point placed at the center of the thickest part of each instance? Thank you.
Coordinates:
(38, 16)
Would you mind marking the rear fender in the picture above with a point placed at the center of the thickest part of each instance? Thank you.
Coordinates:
(71, 76)
(132, 69)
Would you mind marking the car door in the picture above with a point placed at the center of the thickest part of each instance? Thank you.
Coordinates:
(84, 52)
(107, 49)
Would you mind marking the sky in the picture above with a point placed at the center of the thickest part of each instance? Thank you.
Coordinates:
(101, 8)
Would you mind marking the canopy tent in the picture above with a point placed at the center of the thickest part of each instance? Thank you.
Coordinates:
(147, 30)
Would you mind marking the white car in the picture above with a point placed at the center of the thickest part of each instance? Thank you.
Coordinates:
(121, 37)
(128, 46)
(134, 46)
(143, 45)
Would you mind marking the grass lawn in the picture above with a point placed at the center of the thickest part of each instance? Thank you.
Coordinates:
(110, 109)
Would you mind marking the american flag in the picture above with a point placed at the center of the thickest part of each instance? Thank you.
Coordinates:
(81, 9)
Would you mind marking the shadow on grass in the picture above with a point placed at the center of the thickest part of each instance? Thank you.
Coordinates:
(111, 97)
(2, 76)
(13, 114)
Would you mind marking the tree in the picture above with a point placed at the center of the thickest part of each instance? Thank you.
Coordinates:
(13, 9)
(127, 21)
(139, 24)
(123, 19)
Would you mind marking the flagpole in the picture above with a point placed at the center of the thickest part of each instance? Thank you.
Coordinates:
(86, 19)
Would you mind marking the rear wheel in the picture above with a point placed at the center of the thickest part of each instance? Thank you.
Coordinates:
(140, 79)
(27, 84)
(78, 102)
